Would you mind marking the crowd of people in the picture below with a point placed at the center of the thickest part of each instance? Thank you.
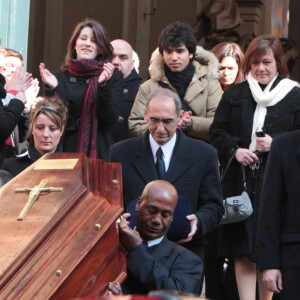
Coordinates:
(174, 135)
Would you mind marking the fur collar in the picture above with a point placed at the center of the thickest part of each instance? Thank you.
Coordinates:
(205, 62)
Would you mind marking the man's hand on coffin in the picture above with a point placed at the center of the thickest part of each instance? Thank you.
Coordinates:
(114, 288)
(129, 238)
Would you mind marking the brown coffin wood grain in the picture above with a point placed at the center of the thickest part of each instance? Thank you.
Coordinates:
(67, 246)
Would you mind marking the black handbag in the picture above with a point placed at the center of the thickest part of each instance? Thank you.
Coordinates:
(237, 208)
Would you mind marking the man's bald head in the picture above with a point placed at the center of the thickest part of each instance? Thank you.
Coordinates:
(162, 189)
(122, 57)
(155, 209)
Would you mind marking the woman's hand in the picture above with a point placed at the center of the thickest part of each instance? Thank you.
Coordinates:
(48, 78)
(263, 144)
(108, 69)
(31, 94)
(245, 156)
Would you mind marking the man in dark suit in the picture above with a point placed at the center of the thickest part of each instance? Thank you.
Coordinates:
(164, 152)
(279, 235)
(154, 262)
(123, 60)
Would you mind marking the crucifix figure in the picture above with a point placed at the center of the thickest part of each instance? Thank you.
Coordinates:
(34, 194)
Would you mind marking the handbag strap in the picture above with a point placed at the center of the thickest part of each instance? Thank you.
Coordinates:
(228, 165)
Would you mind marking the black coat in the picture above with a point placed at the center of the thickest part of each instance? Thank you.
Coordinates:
(9, 118)
(131, 86)
(72, 89)
(232, 126)
(280, 213)
(16, 165)
(167, 266)
(193, 171)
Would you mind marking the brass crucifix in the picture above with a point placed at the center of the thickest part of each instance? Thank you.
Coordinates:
(34, 194)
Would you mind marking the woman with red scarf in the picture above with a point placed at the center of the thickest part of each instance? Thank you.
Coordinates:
(91, 87)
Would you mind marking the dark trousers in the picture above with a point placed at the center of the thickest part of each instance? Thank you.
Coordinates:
(199, 251)
(220, 283)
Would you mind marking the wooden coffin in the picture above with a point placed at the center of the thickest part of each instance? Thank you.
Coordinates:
(67, 246)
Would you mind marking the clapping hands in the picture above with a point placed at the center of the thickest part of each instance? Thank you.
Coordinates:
(20, 82)
(47, 77)
(185, 121)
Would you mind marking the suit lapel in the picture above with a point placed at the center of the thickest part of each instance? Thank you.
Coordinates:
(143, 159)
(162, 250)
(181, 159)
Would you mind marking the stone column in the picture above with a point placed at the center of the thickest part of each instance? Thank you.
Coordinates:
(250, 12)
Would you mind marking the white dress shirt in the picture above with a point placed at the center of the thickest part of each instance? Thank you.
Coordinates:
(167, 149)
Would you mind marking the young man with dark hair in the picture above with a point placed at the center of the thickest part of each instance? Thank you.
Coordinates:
(176, 35)
(188, 70)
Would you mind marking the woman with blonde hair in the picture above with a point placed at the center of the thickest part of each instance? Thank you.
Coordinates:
(46, 126)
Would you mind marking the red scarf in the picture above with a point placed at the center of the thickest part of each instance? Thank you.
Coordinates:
(87, 138)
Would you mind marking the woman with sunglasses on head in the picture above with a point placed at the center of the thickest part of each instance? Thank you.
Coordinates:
(46, 126)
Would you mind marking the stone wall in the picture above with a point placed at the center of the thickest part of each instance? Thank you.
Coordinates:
(137, 21)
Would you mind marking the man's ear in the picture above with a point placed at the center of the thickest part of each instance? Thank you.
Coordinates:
(132, 64)
(145, 113)
(138, 204)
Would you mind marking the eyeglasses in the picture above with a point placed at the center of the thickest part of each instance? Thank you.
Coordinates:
(165, 122)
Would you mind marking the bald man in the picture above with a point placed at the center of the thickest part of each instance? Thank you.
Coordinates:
(154, 262)
(123, 60)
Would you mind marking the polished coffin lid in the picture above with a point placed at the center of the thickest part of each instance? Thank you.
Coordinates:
(67, 245)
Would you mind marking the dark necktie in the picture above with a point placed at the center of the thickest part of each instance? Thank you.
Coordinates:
(160, 165)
